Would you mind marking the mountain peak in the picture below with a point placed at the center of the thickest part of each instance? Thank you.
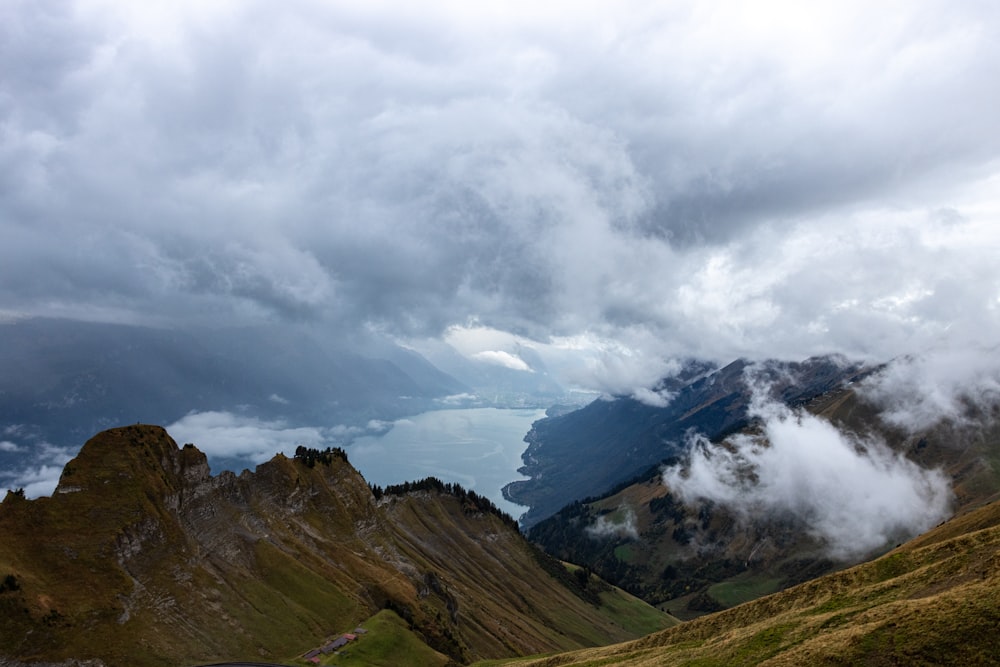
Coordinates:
(138, 456)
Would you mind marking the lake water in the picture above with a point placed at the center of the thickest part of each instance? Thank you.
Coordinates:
(479, 448)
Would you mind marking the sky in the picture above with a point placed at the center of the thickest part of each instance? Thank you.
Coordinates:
(608, 185)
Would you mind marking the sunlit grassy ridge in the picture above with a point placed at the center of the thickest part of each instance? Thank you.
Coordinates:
(935, 600)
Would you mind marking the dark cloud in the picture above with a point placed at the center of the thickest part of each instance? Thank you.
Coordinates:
(620, 183)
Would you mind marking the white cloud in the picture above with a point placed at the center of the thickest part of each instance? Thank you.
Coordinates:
(224, 434)
(458, 399)
(41, 475)
(36, 481)
(620, 523)
(916, 392)
(8, 446)
(656, 399)
(855, 495)
(505, 359)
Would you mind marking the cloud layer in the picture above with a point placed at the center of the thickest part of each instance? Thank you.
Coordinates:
(853, 495)
(644, 180)
(231, 436)
(916, 392)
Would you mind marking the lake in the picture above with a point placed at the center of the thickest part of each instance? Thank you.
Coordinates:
(479, 448)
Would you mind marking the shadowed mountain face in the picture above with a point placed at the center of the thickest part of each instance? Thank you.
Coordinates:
(587, 452)
(142, 558)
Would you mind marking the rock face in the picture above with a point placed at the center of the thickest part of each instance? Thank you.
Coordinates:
(142, 557)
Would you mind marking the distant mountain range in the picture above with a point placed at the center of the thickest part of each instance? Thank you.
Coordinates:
(142, 558)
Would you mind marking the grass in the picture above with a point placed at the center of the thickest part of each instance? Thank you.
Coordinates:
(388, 643)
(742, 589)
(935, 600)
(625, 553)
(634, 612)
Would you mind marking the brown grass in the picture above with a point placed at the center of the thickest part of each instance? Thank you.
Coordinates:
(933, 601)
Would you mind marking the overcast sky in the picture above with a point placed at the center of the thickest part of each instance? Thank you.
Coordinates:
(612, 184)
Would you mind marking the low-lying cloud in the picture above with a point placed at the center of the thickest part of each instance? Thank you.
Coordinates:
(855, 495)
(620, 523)
(916, 392)
(502, 358)
(233, 436)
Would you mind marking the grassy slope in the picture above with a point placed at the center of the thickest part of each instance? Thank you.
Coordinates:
(388, 642)
(935, 600)
(480, 584)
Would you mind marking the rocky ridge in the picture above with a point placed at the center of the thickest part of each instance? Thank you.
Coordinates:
(142, 557)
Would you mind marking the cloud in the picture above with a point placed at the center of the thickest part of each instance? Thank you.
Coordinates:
(41, 474)
(916, 392)
(458, 399)
(232, 436)
(505, 359)
(656, 399)
(620, 523)
(855, 495)
(812, 181)
(36, 481)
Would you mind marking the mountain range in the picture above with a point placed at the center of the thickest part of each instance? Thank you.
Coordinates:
(141, 557)
(698, 555)
(585, 452)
